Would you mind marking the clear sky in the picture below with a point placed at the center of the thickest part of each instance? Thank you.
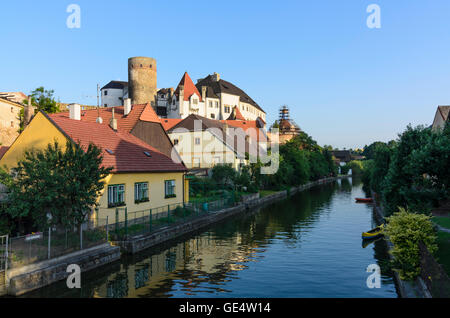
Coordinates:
(346, 84)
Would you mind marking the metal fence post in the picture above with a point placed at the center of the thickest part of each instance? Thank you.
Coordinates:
(168, 214)
(126, 221)
(6, 262)
(81, 237)
(107, 230)
(96, 216)
(150, 220)
(117, 221)
(49, 240)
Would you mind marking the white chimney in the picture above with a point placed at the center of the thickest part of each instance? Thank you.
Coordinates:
(75, 111)
(126, 106)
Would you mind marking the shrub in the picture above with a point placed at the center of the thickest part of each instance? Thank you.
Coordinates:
(406, 230)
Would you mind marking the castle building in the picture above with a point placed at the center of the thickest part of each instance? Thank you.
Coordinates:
(212, 97)
(287, 128)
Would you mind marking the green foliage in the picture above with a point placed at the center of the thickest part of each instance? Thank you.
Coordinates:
(43, 99)
(405, 231)
(223, 174)
(61, 184)
(369, 151)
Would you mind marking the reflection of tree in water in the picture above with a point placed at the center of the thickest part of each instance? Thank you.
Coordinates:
(171, 260)
(118, 287)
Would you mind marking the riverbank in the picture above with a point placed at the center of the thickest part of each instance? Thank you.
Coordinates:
(406, 289)
(32, 277)
(144, 241)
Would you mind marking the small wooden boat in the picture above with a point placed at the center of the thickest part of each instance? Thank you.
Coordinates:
(374, 233)
(364, 200)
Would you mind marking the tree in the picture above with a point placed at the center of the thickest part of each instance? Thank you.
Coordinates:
(43, 100)
(223, 174)
(56, 187)
(369, 151)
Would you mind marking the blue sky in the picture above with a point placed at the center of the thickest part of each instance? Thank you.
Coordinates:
(346, 85)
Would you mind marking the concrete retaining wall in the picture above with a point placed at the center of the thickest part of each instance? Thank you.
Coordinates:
(34, 276)
(141, 242)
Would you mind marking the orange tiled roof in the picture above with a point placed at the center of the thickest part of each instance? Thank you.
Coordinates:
(127, 151)
(168, 123)
(189, 87)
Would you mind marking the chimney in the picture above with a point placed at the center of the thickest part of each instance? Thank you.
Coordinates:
(171, 90)
(225, 128)
(204, 93)
(126, 106)
(113, 121)
(75, 111)
(216, 77)
(28, 112)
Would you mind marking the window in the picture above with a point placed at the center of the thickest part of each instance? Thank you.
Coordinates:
(213, 116)
(227, 109)
(106, 93)
(116, 195)
(170, 188)
(195, 101)
(12, 123)
(141, 192)
(12, 109)
(210, 104)
(106, 105)
(197, 141)
(173, 101)
(196, 162)
(175, 141)
(217, 104)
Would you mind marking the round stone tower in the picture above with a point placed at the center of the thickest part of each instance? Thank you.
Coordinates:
(142, 80)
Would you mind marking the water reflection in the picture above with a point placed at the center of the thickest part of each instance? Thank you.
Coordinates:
(247, 255)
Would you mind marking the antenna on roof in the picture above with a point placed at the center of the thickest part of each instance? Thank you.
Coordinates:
(99, 119)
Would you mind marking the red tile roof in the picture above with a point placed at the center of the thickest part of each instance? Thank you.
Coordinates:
(168, 123)
(189, 87)
(127, 150)
(127, 123)
(236, 114)
(3, 150)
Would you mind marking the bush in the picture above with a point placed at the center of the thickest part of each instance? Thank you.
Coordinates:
(406, 230)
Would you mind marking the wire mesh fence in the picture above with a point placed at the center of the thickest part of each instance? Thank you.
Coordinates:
(39, 246)
(128, 224)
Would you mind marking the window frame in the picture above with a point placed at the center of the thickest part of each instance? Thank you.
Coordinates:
(115, 196)
(170, 188)
(139, 189)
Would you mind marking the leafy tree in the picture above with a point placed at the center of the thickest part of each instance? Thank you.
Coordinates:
(369, 151)
(43, 100)
(56, 187)
(223, 174)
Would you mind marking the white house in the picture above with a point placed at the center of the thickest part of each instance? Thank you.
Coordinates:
(114, 93)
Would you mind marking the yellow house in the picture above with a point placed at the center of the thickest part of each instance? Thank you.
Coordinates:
(142, 178)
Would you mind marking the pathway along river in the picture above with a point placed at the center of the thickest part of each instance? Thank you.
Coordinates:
(308, 245)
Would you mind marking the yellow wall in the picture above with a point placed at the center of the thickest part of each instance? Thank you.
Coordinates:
(156, 189)
(37, 135)
(40, 132)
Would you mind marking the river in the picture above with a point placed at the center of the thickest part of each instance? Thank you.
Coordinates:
(308, 245)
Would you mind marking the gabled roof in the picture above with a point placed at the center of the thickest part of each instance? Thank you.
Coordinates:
(236, 114)
(121, 150)
(116, 85)
(222, 86)
(231, 140)
(15, 97)
(189, 87)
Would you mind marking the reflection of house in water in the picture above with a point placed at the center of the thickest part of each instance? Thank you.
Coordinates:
(201, 260)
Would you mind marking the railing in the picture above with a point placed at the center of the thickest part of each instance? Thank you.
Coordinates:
(128, 224)
(39, 246)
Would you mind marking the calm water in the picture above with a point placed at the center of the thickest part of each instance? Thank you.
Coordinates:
(306, 246)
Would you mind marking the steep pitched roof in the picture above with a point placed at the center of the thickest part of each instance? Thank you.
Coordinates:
(121, 150)
(189, 87)
(222, 86)
(236, 114)
(148, 114)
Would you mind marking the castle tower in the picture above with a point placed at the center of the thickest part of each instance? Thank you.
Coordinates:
(142, 80)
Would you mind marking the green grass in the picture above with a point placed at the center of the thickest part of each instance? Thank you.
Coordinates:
(442, 221)
(443, 253)
(263, 193)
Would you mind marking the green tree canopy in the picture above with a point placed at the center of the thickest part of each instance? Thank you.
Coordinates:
(55, 186)
(43, 100)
